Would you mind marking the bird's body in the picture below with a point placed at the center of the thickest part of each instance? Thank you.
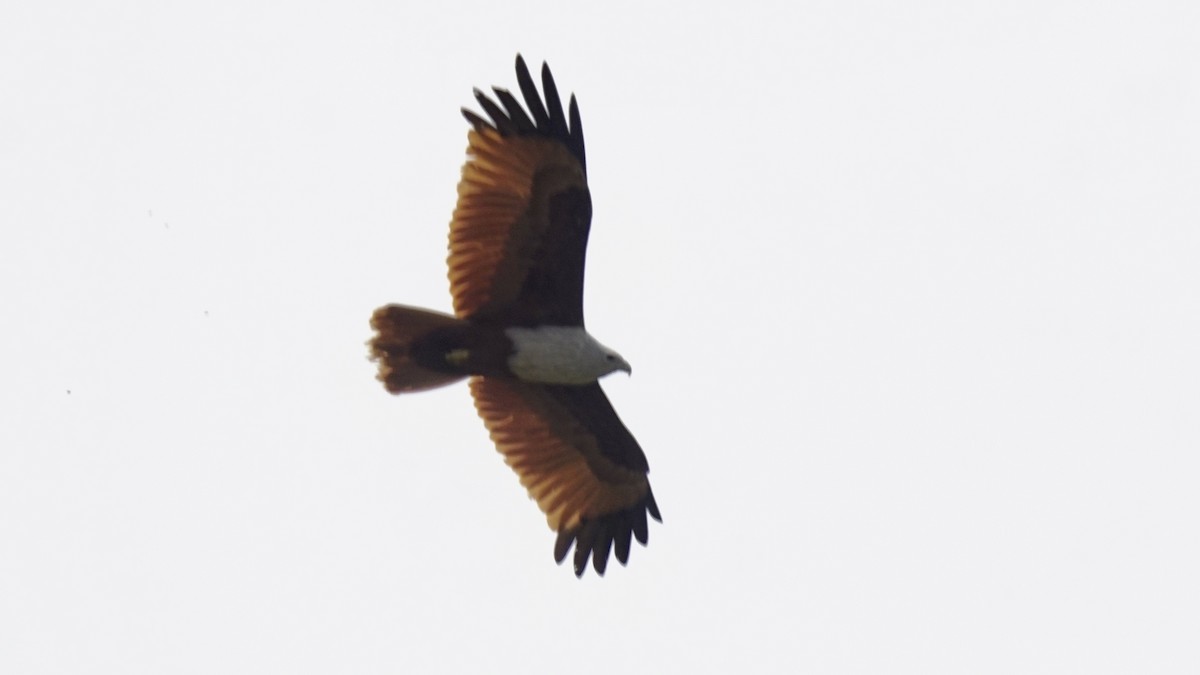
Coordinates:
(517, 245)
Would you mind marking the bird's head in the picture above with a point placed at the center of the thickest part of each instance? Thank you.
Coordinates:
(613, 362)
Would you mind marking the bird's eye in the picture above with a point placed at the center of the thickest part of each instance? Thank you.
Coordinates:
(609, 357)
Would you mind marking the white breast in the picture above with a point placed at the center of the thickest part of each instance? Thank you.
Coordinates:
(560, 355)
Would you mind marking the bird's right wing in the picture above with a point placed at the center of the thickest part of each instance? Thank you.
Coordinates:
(519, 233)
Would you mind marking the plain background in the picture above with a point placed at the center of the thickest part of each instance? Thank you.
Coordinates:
(911, 292)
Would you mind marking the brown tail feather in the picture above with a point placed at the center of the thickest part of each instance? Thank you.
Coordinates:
(397, 327)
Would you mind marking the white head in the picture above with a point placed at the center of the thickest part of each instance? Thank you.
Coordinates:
(561, 355)
(613, 362)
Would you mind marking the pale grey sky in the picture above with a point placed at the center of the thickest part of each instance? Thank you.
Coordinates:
(910, 291)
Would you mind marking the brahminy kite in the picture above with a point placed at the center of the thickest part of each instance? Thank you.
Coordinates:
(517, 243)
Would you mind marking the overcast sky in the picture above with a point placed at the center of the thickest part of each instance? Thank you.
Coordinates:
(911, 292)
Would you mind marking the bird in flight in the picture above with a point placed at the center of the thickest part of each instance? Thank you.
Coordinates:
(518, 239)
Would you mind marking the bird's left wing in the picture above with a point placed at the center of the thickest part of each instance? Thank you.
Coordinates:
(578, 461)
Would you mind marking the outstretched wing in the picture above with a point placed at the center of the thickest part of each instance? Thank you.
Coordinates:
(578, 461)
(519, 232)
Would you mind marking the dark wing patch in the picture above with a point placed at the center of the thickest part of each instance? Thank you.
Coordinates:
(518, 238)
(577, 460)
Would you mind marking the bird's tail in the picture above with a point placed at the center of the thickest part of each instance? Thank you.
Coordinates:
(398, 331)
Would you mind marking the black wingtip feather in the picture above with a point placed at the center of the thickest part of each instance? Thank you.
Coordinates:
(477, 122)
(608, 535)
(602, 548)
(622, 540)
(576, 132)
(504, 125)
(584, 542)
(562, 545)
(530, 93)
(640, 528)
(558, 121)
(545, 119)
(515, 111)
